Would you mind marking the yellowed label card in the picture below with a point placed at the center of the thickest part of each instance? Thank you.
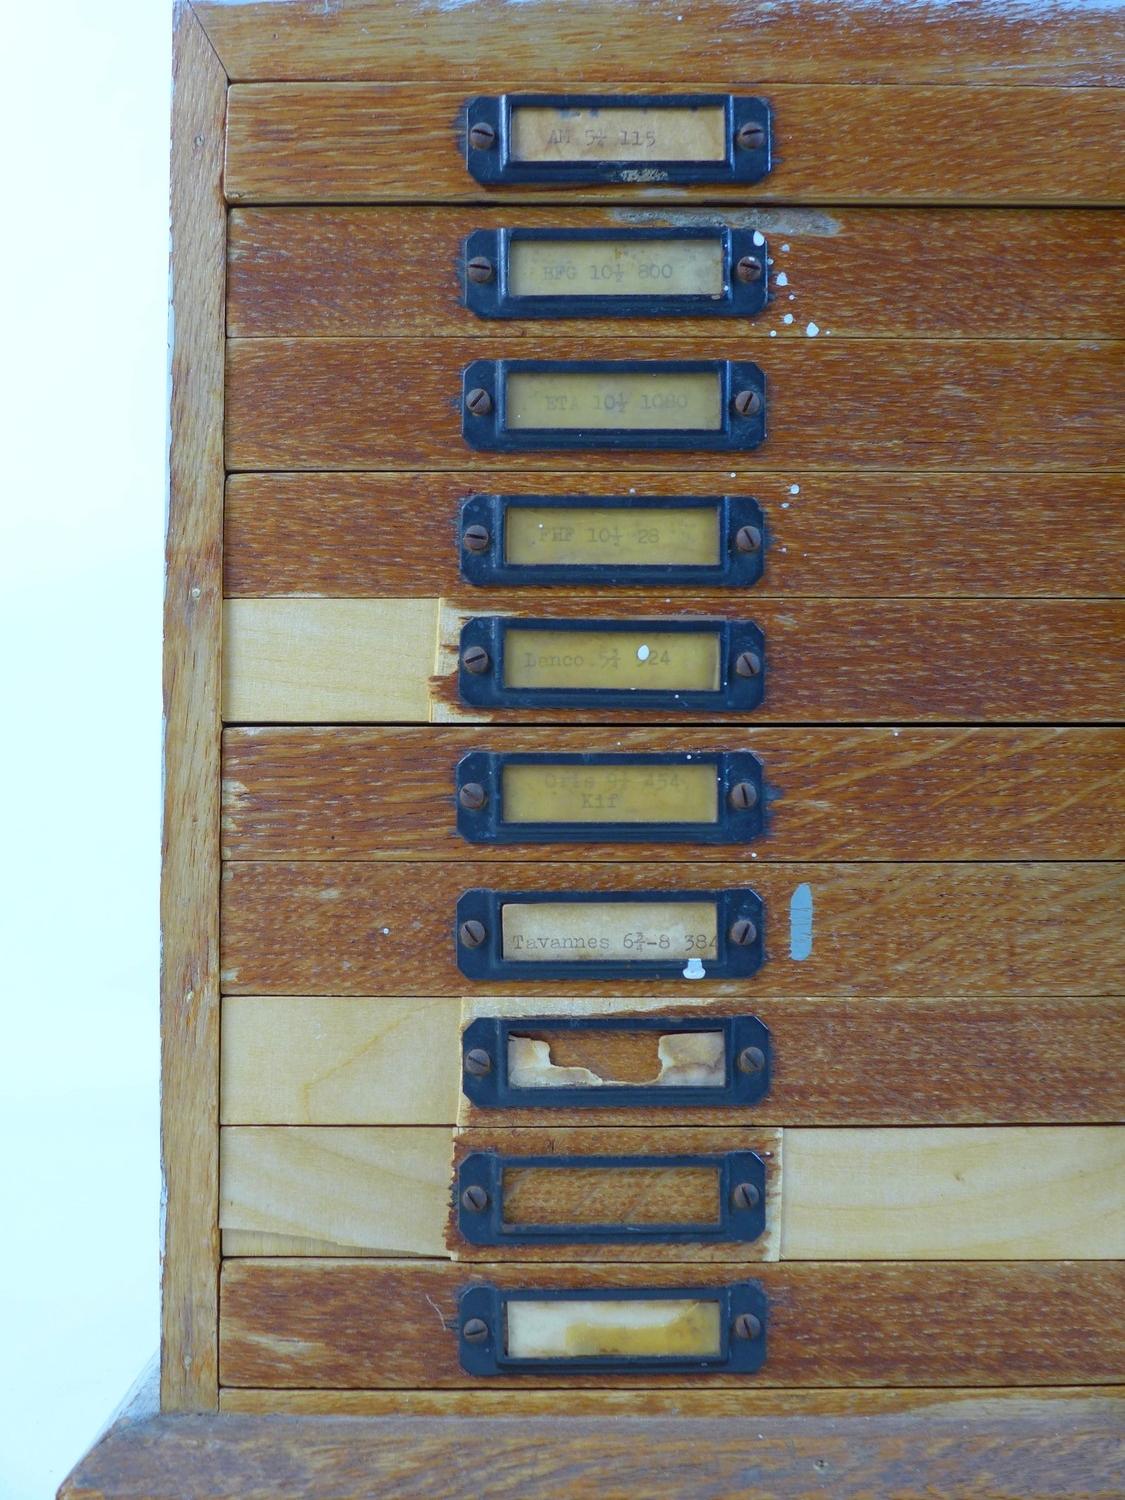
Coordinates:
(640, 400)
(549, 133)
(610, 794)
(563, 1328)
(652, 659)
(616, 268)
(540, 536)
(584, 932)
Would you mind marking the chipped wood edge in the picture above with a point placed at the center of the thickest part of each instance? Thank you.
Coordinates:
(189, 900)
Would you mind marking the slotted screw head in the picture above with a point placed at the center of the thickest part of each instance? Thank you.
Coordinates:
(475, 1330)
(747, 403)
(479, 402)
(747, 539)
(475, 659)
(743, 932)
(473, 933)
(747, 664)
(474, 1198)
(482, 136)
(475, 538)
(742, 796)
(472, 796)
(751, 1060)
(479, 268)
(477, 1062)
(751, 136)
(748, 269)
(745, 1195)
(747, 1326)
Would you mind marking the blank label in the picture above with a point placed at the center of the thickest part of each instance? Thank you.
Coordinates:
(564, 1329)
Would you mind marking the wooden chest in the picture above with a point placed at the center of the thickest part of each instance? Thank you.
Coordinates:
(642, 920)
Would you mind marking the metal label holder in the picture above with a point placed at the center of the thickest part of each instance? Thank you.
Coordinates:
(488, 136)
(739, 783)
(741, 528)
(484, 418)
(480, 910)
(741, 1194)
(744, 294)
(482, 1321)
(746, 1050)
(740, 641)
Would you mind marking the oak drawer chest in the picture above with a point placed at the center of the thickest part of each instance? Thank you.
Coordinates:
(643, 948)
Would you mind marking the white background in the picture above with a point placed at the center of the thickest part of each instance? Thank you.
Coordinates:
(83, 374)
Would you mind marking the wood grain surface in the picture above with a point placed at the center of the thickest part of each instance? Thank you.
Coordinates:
(801, 40)
(915, 929)
(352, 143)
(882, 535)
(189, 900)
(398, 272)
(388, 793)
(826, 661)
(360, 1060)
(393, 1324)
(754, 1402)
(961, 404)
(1039, 1445)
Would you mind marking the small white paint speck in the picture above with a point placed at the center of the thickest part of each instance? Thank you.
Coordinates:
(785, 505)
(386, 932)
(753, 855)
(643, 653)
(693, 969)
(788, 318)
(773, 333)
(812, 330)
(782, 278)
(785, 246)
(792, 296)
(794, 489)
(759, 237)
(733, 475)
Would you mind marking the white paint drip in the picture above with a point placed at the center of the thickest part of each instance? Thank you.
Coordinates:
(812, 330)
(759, 237)
(782, 278)
(643, 653)
(693, 969)
(788, 318)
(794, 489)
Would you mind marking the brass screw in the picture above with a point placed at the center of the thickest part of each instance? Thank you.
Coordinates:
(743, 795)
(747, 1326)
(742, 933)
(751, 1060)
(475, 1330)
(747, 539)
(474, 1198)
(472, 796)
(473, 933)
(477, 1062)
(479, 268)
(476, 660)
(482, 136)
(748, 269)
(746, 664)
(745, 1195)
(479, 402)
(751, 136)
(747, 403)
(475, 538)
